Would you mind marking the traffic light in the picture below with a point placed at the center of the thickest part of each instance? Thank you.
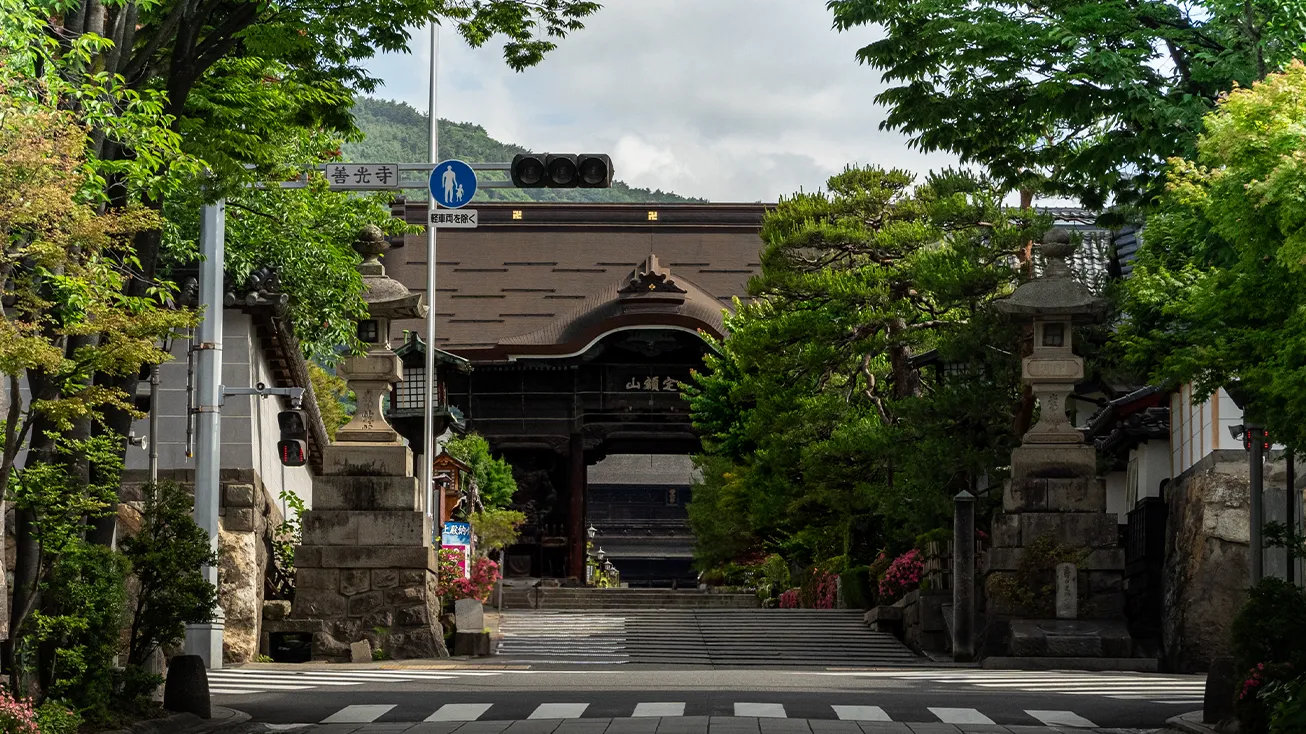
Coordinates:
(292, 449)
(561, 170)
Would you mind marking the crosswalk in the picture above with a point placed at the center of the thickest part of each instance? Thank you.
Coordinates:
(1163, 689)
(243, 681)
(468, 712)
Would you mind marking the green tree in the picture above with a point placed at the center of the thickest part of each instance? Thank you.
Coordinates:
(493, 475)
(815, 411)
(1217, 291)
(1081, 99)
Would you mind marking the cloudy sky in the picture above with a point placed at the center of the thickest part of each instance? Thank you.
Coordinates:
(731, 100)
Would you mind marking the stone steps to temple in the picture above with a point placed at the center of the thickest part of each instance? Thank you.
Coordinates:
(562, 598)
(714, 637)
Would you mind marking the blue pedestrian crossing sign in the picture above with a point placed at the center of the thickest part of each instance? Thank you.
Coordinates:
(453, 184)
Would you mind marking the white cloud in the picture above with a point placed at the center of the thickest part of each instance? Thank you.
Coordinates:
(731, 100)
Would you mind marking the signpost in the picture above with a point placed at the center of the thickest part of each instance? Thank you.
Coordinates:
(363, 176)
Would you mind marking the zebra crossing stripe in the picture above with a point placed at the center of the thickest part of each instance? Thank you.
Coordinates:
(559, 711)
(761, 710)
(960, 716)
(460, 712)
(1062, 718)
(659, 709)
(358, 714)
(861, 713)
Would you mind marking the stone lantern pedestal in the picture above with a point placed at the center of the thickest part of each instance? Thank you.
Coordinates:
(1054, 504)
(367, 566)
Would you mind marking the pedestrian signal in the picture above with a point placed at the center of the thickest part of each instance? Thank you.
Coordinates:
(292, 449)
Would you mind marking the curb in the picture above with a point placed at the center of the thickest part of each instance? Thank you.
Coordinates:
(222, 721)
(1190, 723)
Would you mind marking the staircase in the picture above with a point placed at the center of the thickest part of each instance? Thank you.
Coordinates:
(686, 636)
(522, 597)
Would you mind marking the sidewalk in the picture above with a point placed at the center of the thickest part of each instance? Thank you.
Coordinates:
(683, 725)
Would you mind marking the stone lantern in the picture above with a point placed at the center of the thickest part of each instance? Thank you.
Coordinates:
(1055, 497)
(371, 375)
(1053, 303)
(367, 561)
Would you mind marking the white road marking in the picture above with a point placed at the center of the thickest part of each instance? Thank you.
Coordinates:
(559, 711)
(1062, 718)
(861, 713)
(761, 710)
(960, 716)
(460, 712)
(358, 714)
(659, 709)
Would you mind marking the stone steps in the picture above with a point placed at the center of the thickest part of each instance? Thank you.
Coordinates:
(515, 598)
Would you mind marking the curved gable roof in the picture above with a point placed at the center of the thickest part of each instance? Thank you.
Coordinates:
(650, 296)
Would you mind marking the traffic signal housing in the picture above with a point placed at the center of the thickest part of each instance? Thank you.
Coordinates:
(292, 449)
(561, 170)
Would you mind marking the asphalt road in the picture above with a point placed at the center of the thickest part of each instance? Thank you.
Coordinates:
(383, 700)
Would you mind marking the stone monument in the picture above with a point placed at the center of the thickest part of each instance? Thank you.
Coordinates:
(367, 566)
(1054, 504)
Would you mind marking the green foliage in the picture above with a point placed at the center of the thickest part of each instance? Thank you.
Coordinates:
(1218, 289)
(166, 555)
(1033, 586)
(289, 533)
(1267, 629)
(1105, 91)
(1287, 703)
(332, 395)
(394, 131)
(858, 587)
(53, 717)
(823, 435)
(81, 622)
(493, 475)
(495, 528)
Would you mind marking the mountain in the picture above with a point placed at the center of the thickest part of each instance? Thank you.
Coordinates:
(395, 132)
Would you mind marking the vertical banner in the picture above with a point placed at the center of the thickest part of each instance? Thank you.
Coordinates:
(458, 536)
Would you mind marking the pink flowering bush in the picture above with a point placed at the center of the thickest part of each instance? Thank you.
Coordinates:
(902, 576)
(453, 586)
(789, 599)
(820, 590)
(17, 716)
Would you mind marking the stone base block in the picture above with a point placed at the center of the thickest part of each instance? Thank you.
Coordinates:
(1042, 494)
(367, 528)
(351, 556)
(1076, 529)
(367, 460)
(1032, 461)
(1008, 559)
(367, 493)
(1069, 639)
(471, 644)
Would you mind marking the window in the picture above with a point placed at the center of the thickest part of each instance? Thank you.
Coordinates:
(411, 393)
(369, 331)
(1054, 335)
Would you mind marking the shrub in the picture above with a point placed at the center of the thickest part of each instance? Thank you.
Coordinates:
(55, 718)
(789, 599)
(819, 590)
(1268, 627)
(858, 593)
(902, 576)
(454, 586)
(17, 715)
(1286, 702)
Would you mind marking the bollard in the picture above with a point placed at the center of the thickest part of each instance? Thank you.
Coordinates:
(187, 687)
(963, 578)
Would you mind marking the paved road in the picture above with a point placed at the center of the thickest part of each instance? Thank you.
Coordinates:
(949, 701)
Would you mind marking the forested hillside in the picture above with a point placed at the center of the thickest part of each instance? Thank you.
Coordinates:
(397, 132)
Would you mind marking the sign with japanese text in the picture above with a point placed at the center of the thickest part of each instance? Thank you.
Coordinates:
(653, 383)
(454, 218)
(457, 536)
(363, 175)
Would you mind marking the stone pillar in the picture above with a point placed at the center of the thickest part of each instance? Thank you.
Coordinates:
(576, 537)
(1067, 591)
(963, 577)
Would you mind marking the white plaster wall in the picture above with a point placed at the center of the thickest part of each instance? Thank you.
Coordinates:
(1115, 495)
(1153, 467)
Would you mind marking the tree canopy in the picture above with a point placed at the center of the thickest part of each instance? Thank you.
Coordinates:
(1218, 292)
(1078, 99)
(822, 429)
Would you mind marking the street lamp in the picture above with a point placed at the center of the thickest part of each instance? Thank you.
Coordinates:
(591, 531)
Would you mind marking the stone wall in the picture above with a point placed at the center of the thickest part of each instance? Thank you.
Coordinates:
(1207, 559)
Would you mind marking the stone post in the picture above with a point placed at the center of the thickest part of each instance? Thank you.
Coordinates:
(1067, 591)
(963, 577)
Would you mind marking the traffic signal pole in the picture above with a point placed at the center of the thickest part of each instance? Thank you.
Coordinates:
(434, 501)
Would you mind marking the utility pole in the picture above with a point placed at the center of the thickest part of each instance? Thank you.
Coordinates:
(434, 500)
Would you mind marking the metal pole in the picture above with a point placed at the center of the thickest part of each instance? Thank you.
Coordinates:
(1290, 515)
(963, 577)
(436, 503)
(1257, 502)
(205, 640)
(154, 424)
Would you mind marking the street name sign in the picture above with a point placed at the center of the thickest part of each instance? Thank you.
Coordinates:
(453, 184)
(371, 176)
(453, 218)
